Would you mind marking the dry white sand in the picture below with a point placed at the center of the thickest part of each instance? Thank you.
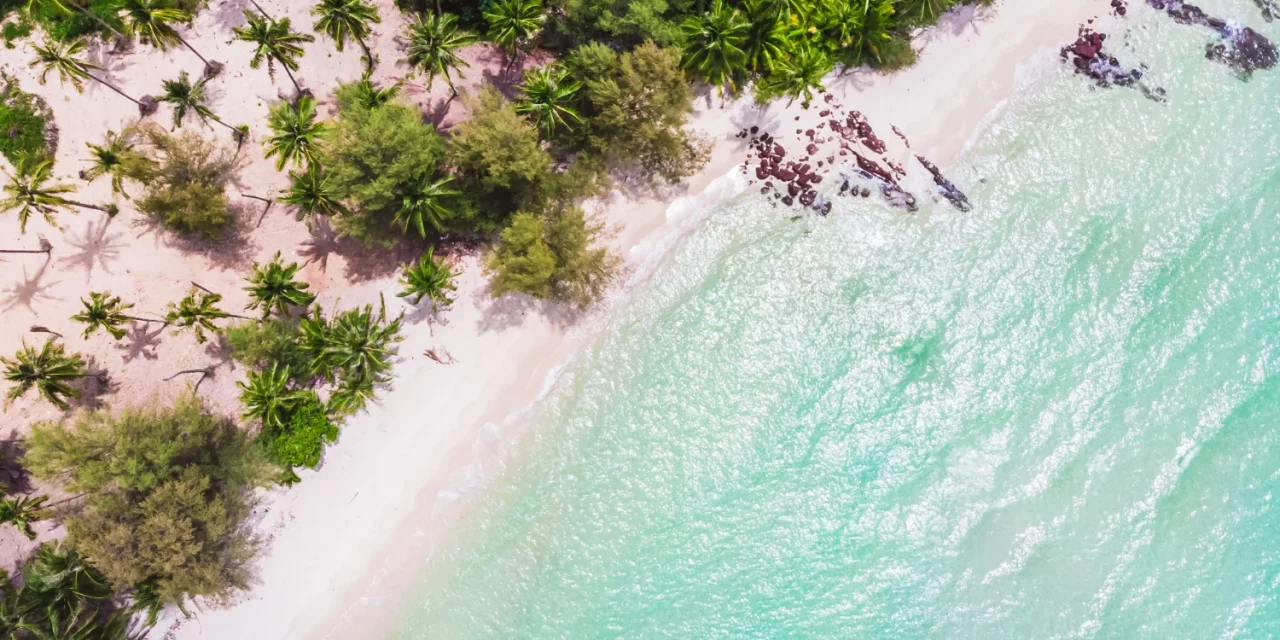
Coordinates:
(334, 562)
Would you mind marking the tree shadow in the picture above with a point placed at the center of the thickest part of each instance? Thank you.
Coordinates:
(96, 383)
(232, 250)
(229, 14)
(140, 341)
(30, 290)
(94, 248)
(509, 74)
(362, 263)
(14, 477)
(511, 309)
(322, 243)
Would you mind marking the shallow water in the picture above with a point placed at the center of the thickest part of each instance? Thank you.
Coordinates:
(1055, 416)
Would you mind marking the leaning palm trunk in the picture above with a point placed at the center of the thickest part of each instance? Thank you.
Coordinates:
(297, 89)
(93, 16)
(210, 68)
(96, 207)
(368, 55)
(143, 108)
(260, 10)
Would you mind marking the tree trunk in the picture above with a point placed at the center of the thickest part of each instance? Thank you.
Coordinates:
(95, 18)
(219, 121)
(210, 68)
(368, 55)
(35, 328)
(259, 8)
(23, 251)
(146, 320)
(142, 108)
(296, 88)
(85, 205)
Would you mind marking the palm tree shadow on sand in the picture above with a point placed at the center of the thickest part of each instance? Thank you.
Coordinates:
(30, 291)
(94, 248)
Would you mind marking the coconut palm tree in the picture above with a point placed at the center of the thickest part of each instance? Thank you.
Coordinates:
(275, 41)
(548, 96)
(296, 133)
(106, 312)
(110, 158)
(874, 28)
(341, 18)
(64, 7)
(273, 286)
(359, 345)
(799, 75)
(433, 44)
(313, 194)
(765, 39)
(27, 191)
(267, 396)
(64, 58)
(153, 20)
(513, 24)
(21, 512)
(198, 311)
(351, 395)
(59, 577)
(925, 11)
(372, 97)
(423, 205)
(187, 96)
(47, 370)
(430, 278)
(713, 45)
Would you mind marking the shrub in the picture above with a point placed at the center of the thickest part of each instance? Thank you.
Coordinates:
(167, 493)
(373, 156)
(557, 256)
(300, 441)
(25, 123)
(258, 344)
(629, 22)
(500, 158)
(186, 176)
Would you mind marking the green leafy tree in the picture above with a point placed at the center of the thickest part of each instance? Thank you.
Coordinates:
(299, 441)
(548, 96)
(423, 205)
(513, 24)
(925, 11)
(186, 96)
(64, 58)
(312, 192)
(558, 256)
(61, 8)
(522, 261)
(869, 33)
(797, 76)
(274, 41)
(295, 133)
(713, 45)
(372, 97)
(434, 41)
(765, 40)
(198, 311)
(153, 20)
(105, 311)
(186, 177)
(267, 397)
(167, 491)
(48, 371)
(499, 155)
(28, 190)
(357, 345)
(111, 158)
(430, 278)
(274, 287)
(625, 22)
(340, 19)
(22, 511)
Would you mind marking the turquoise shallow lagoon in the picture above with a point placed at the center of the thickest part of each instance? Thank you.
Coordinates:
(1056, 416)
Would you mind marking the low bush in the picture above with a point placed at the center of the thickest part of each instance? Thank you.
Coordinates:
(558, 256)
(24, 123)
(257, 344)
(300, 441)
(186, 177)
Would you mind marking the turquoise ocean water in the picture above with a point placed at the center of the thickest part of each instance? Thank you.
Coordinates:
(1056, 416)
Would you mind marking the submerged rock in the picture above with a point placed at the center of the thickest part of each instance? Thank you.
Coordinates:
(1242, 48)
(949, 191)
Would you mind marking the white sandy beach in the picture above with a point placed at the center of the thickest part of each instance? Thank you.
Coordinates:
(329, 541)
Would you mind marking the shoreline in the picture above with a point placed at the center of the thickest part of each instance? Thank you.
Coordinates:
(328, 540)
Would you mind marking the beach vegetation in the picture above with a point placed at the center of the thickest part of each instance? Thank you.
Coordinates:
(514, 24)
(22, 511)
(49, 370)
(556, 256)
(275, 42)
(499, 158)
(25, 120)
(429, 278)
(340, 19)
(112, 158)
(267, 397)
(166, 490)
(372, 158)
(313, 193)
(153, 20)
(625, 22)
(354, 345)
(66, 19)
(107, 312)
(189, 97)
(798, 76)
(31, 189)
(65, 57)
(433, 43)
(274, 286)
(186, 177)
(61, 597)
(295, 133)
(258, 345)
(547, 99)
(713, 46)
(197, 311)
(299, 440)
(425, 204)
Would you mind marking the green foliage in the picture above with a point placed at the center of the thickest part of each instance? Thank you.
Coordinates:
(430, 278)
(340, 19)
(267, 397)
(28, 191)
(47, 371)
(22, 511)
(353, 349)
(61, 598)
(113, 157)
(103, 311)
(295, 132)
(274, 41)
(24, 119)
(167, 493)
(423, 205)
(556, 256)
(513, 24)
(433, 44)
(259, 344)
(499, 156)
(273, 286)
(626, 22)
(547, 98)
(312, 193)
(713, 45)
(797, 76)
(151, 21)
(373, 157)
(186, 176)
(64, 58)
(197, 311)
(636, 107)
(299, 441)
(186, 96)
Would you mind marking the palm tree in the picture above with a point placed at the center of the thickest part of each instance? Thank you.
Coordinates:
(21, 512)
(59, 578)
(106, 312)
(276, 41)
(713, 45)
(765, 38)
(152, 20)
(313, 194)
(372, 97)
(296, 133)
(873, 29)
(430, 278)
(514, 24)
(548, 96)
(59, 6)
(799, 75)
(342, 18)
(423, 205)
(267, 396)
(198, 310)
(28, 192)
(63, 57)
(185, 96)
(48, 370)
(359, 345)
(433, 44)
(109, 158)
(273, 286)
(925, 11)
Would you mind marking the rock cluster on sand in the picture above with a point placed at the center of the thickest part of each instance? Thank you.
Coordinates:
(1088, 58)
(1242, 48)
